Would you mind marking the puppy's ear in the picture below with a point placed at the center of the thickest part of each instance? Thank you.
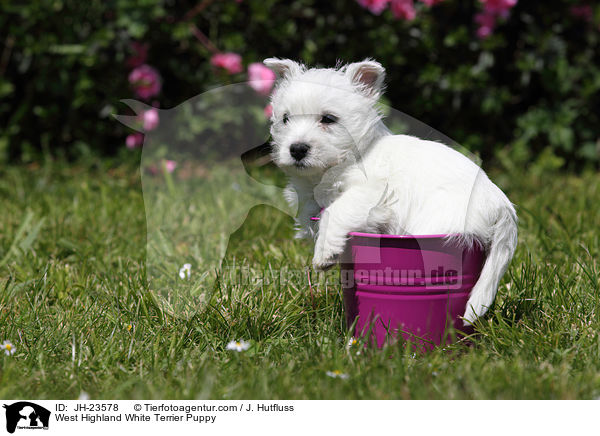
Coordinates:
(368, 76)
(283, 67)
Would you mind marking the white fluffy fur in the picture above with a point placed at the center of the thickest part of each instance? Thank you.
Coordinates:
(369, 180)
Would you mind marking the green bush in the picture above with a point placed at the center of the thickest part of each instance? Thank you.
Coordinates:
(530, 91)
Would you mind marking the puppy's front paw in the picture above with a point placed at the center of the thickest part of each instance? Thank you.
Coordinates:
(323, 263)
(325, 255)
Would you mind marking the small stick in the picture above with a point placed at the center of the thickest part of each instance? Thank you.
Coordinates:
(197, 9)
(312, 298)
(203, 39)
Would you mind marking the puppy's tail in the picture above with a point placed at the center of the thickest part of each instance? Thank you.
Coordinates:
(499, 255)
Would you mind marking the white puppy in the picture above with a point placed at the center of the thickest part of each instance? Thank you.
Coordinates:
(342, 161)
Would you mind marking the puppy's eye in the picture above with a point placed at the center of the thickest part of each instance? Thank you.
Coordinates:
(286, 118)
(328, 119)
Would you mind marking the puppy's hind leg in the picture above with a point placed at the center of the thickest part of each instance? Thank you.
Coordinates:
(382, 218)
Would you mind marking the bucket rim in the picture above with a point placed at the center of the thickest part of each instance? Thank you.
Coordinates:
(388, 236)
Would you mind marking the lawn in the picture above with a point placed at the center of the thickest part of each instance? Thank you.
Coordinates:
(76, 303)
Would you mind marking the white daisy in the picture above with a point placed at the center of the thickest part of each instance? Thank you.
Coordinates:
(185, 271)
(9, 348)
(238, 346)
(353, 343)
(337, 374)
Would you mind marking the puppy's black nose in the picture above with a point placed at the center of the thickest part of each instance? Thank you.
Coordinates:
(299, 150)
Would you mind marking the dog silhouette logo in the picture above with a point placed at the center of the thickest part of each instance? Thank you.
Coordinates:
(26, 415)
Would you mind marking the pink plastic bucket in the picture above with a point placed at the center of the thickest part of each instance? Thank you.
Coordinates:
(413, 286)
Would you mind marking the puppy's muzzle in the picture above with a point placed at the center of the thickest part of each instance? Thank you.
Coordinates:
(299, 150)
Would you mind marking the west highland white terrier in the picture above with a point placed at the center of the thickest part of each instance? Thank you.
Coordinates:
(344, 163)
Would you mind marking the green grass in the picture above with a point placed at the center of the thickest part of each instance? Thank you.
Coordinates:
(73, 277)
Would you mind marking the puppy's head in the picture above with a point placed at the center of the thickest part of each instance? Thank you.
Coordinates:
(323, 116)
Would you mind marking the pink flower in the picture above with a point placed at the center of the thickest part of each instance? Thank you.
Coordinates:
(584, 12)
(134, 140)
(374, 6)
(146, 81)
(431, 2)
(170, 165)
(261, 78)
(150, 119)
(403, 9)
(492, 9)
(486, 22)
(166, 165)
(498, 7)
(140, 53)
(268, 110)
(231, 62)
